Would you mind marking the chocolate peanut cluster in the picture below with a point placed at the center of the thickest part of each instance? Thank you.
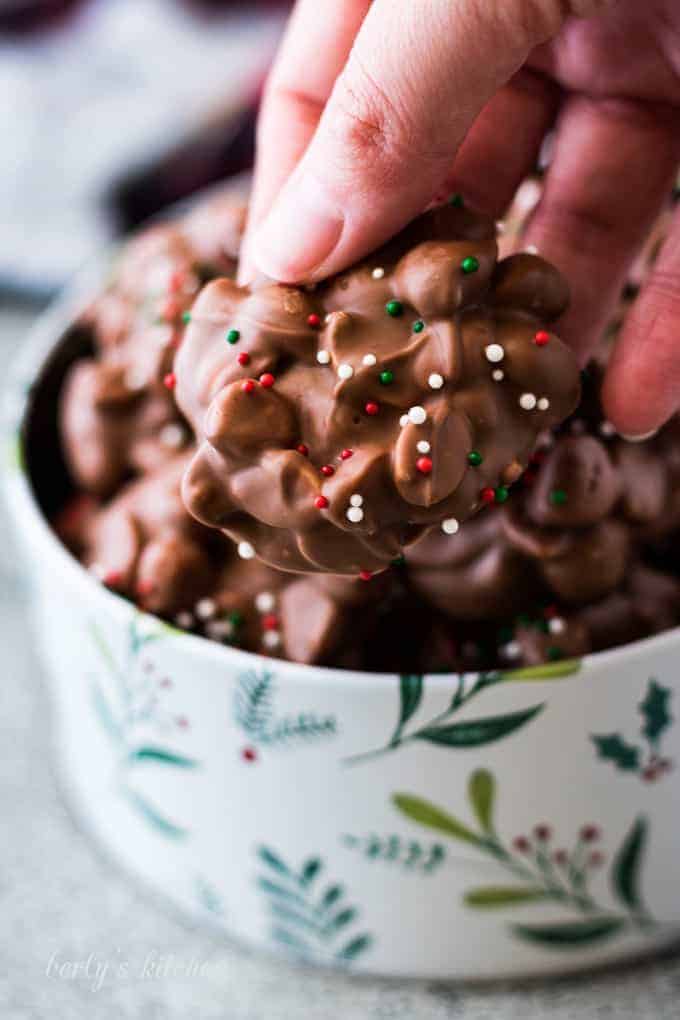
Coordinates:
(119, 416)
(215, 430)
(336, 426)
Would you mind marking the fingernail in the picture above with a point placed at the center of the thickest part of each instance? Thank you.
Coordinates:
(299, 233)
(640, 438)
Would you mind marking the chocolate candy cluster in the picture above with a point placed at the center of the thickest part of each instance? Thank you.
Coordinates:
(336, 426)
(325, 430)
(118, 413)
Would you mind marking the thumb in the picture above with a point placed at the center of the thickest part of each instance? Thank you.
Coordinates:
(417, 76)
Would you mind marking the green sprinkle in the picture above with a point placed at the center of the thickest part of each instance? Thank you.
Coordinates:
(501, 494)
(236, 618)
(186, 317)
(457, 201)
(233, 336)
(523, 620)
(470, 264)
(475, 458)
(555, 653)
(418, 326)
(399, 561)
(386, 377)
(394, 308)
(558, 497)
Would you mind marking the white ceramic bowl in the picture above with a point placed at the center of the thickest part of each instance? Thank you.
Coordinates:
(444, 826)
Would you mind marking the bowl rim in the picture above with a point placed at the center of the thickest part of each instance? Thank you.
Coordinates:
(15, 402)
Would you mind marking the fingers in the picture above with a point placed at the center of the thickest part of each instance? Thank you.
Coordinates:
(416, 77)
(642, 387)
(611, 170)
(504, 142)
(314, 50)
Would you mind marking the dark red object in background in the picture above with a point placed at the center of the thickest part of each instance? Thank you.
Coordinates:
(20, 17)
(23, 17)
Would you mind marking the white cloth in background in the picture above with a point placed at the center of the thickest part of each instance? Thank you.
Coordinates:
(80, 104)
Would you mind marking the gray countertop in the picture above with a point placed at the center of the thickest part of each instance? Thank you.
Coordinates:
(62, 904)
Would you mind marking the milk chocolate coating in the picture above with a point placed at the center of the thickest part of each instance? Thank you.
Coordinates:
(146, 546)
(343, 432)
(118, 415)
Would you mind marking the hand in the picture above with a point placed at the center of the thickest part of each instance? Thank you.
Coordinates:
(374, 109)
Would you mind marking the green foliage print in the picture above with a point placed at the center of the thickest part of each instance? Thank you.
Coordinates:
(444, 729)
(310, 918)
(255, 714)
(409, 854)
(131, 704)
(643, 758)
(540, 871)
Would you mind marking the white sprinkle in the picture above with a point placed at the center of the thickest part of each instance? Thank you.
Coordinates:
(356, 500)
(404, 420)
(543, 404)
(527, 401)
(369, 360)
(345, 371)
(264, 602)
(498, 375)
(417, 415)
(172, 436)
(355, 515)
(435, 381)
(184, 620)
(423, 446)
(323, 357)
(531, 249)
(219, 629)
(557, 625)
(512, 650)
(450, 526)
(607, 429)
(205, 609)
(328, 317)
(378, 273)
(500, 226)
(245, 550)
(494, 353)
(271, 639)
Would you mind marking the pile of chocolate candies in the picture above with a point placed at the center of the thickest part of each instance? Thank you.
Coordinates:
(575, 555)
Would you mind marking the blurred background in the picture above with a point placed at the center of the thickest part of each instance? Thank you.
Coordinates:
(110, 109)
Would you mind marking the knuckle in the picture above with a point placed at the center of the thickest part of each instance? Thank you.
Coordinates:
(376, 135)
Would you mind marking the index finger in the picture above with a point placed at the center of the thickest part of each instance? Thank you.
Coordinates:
(314, 50)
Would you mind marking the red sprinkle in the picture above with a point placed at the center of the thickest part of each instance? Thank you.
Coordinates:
(112, 578)
(321, 502)
(243, 358)
(267, 380)
(365, 575)
(270, 622)
(249, 754)
(424, 465)
(176, 281)
(371, 407)
(327, 470)
(541, 338)
(304, 450)
(346, 454)
(313, 320)
(170, 310)
(488, 495)
(248, 386)
(550, 612)
(170, 381)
